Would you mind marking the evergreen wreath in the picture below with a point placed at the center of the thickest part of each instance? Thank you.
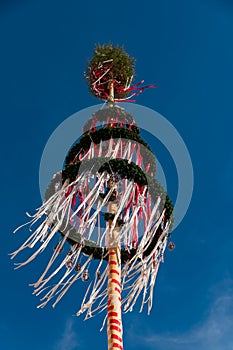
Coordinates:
(105, 134)
(115, 115)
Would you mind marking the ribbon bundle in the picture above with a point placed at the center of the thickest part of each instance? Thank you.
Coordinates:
(101, 77)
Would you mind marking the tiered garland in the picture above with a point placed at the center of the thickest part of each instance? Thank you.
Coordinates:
(116, 123)
(125, 170)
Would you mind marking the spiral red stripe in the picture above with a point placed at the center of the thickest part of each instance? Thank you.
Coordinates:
(114, 336)
(115, 281)
(112, 314)
(117, 346)
(112, 262)
(115, 328)
(118, 290)
(114, 321)
(114, 271)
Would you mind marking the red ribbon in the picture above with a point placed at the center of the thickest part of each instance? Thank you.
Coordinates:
(99, 82)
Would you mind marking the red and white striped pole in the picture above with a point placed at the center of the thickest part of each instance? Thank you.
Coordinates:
(114, 327)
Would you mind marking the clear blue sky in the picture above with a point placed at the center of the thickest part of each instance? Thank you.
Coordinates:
(186, 48)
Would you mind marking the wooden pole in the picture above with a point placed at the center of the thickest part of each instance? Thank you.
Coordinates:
(111, 94)
(114, 324)
(114, 327)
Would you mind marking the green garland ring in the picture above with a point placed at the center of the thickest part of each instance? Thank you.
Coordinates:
(116, 113)
(105, 134)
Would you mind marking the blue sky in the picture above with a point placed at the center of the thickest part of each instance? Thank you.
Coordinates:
(186, 48)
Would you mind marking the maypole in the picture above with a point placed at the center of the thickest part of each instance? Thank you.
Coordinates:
(109, 175)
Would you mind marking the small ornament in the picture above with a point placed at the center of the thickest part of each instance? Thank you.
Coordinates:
(78, 267)
(69, 264)
(171, 246)
(85, 276)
